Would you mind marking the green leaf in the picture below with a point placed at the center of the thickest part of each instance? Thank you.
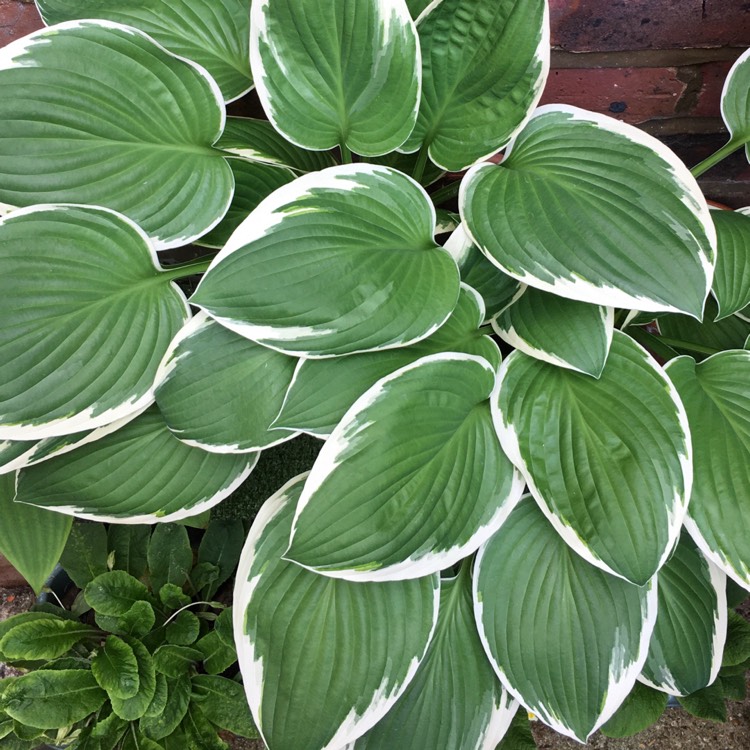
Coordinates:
(172, 596)
(691, 626)
(141, 473)
(217, 654)
(412, 480)
(161, 693)
(170, 556)
(484, 66)
(133, 708)
(733, 687)
(204, 575)
(612, 477)
(643, 707)
(212, 33)
(377, 223)
(51, 699)
(223, 702)
(114, 593)
(51, 327)
(178, 700)
(199, 732)
(11, 622)
(116, 669)
(416, 7)
(184, 629)
(518, 736)
(70, 135)
(561, 165)
(107, 732)
(221, 546)
(224, 626)
(736, 594)
(707, 703)
(300, 639)
(454, 693)
(220, 391)
(737, 649)
(129, 544)
(718, 407)
(135, 622)
(44, 639)
(31, 539)
(735, 101)
(348, 74)
(85, 554)
(175, 661)
(565, 637)
(564, 332)
(731, 285)
(323, 390)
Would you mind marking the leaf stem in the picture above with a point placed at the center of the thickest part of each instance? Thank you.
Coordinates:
(445, 193)
(346, 154)
(691, 347)
(188, 269)
(728, 148)
(418, 172)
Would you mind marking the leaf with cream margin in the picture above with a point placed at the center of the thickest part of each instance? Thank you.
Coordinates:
(554, 216)
(717, 402)
(731, 285)
(566, 639)
(301, 639)
(413, 478)
(608, 460)
(735, 102)
(73, 277)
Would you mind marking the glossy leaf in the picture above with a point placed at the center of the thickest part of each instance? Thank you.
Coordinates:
(367, 276)
(567, 639)
(58, 306)
(564, 332)
(138, 474)
(612, 477)
(43, 639)
(116, 669)
(70, 136)
(562, 164)
(134, 707)
(735, 101)
(344, 73)
(484, 66)
(300, 638)
(718, 406)
(732, 280)
(412, 480)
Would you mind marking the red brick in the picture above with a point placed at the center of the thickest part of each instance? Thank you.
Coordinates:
(17, 19)
(601, 25)
(708, 101)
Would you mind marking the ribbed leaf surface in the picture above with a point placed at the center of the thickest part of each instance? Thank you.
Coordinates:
(139, 474)
(567, 639)
(412, 479)
(731, 285)
(70, 136)
(717, 402)
(484, 66)
(343, 72)
(735, 101)
(691, 625)
(323, 389)
(332, 654)
(562, 165)
(220, 391)
(339, 261)
(87, 316)
(564, 332)
(213, 33)
(612, 476)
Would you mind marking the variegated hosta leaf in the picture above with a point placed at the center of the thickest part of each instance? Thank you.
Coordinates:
(412, 479)
(555, 216)
(220, 391)
(691, 625)
(567, 639)
(455, 700)
(498, 289)
(416, 7)
(731, 285)
(70, 136)
(87, 316)
(344, 72)
(323, 389)
(139, 474)
(607, 460)
(212, 33)
(484, 66)
(253, 181)
(716, 398)
(564, 332)
(338, 261)
(735, 102)
(333, 655)
(258, 140)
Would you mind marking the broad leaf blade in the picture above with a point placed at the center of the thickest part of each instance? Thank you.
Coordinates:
(134, 707)
(129, 545)
(643, 707)
(735, 101)
(731, 285)
(223, 702)
(611, 476)
(43, 639)
(170, 556)
(344, 73)
(116, 669)
(561, 165)
(174, 711)
(567, 639)
(70, 136)
(299, 637)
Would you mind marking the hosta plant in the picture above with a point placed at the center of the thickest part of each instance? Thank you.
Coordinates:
(535, 478)
(143, 658)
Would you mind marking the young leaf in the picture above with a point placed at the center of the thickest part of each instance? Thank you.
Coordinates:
(178, 700)
(116, 669)
(129, 544)
(170, 556)
(612, 477)
(222, 545)
(134, 707)
(223, 702)
(172, 596)
(85, 554)
(643, 707)
(43, 639)
(731, 285)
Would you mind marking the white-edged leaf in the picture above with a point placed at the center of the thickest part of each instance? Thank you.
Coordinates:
(337, 262)
(413, 478)
(302, 639)
(731, 285)
(612, 475)
(566, 639)
(87, 316)
(579, 203)
(735, 102)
